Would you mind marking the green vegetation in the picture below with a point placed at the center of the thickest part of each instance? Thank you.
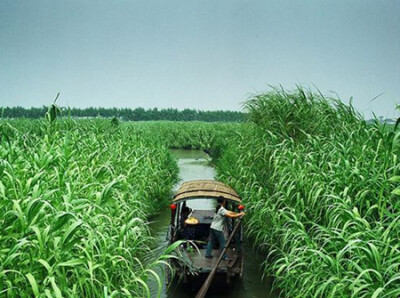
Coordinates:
(210, 137)
(320, 187)
(138, 114)
(74, 199)
(320, 184)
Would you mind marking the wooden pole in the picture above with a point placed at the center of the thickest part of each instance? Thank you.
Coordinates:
(203, 290)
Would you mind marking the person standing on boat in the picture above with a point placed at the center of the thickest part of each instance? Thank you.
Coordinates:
(217, 226)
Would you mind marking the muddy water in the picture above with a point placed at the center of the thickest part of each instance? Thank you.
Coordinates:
(193, 165)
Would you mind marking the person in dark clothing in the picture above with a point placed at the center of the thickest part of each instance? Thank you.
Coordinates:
(184, 215)
(188, 230)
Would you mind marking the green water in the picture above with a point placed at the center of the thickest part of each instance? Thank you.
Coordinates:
(194, 165)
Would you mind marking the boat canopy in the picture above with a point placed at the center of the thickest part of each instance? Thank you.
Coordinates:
(205, 189)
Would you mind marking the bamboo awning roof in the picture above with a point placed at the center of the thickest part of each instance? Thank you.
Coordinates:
(205, 189)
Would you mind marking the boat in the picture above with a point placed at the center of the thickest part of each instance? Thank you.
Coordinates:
(192, 211)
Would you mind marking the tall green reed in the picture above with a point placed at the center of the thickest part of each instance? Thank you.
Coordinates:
(74, 202)
(316, 180)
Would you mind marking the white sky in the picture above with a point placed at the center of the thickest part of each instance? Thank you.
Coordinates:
(208, 55)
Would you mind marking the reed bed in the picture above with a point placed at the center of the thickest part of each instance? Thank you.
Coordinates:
(74, 200)
(321, 188)
(211, 137)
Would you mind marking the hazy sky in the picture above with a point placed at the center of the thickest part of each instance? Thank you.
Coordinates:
(209, 54)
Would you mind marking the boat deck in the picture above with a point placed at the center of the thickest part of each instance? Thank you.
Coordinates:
(204, 264)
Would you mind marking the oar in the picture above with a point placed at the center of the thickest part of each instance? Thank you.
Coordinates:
(203, 290)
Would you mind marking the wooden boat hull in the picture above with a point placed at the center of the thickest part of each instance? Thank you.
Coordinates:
(198, 267)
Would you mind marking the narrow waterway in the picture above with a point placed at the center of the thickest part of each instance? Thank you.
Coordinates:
(194, 165)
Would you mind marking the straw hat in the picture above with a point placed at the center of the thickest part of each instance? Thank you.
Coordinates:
(191, 221)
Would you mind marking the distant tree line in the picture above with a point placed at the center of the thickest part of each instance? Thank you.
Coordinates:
(128, 114)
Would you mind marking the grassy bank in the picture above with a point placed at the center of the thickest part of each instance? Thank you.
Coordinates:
(211, 137)
(320, 187)
(74, 198)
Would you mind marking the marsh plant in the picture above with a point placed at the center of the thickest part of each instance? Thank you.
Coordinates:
(74, 203)
(321, 187)
(322, 191)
